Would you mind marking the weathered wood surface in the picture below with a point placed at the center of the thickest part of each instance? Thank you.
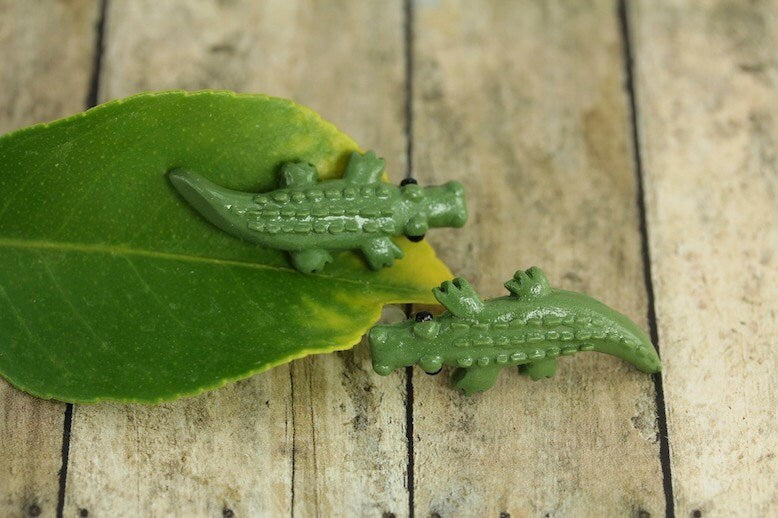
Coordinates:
(525, 105)
(323, 435)
(707, 86)
(41, 44)
(528, 104)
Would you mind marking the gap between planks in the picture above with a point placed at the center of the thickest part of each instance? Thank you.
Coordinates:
(408, 54)
(661, 411)
(91, 101)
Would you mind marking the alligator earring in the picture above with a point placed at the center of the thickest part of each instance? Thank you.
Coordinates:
(529, 328)
(310, 218)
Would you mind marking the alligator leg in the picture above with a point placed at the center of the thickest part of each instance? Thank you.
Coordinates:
(311, 260)
(539, 369)
(381, 252)
(476, 379)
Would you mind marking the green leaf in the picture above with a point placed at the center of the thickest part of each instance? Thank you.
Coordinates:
(113, 288)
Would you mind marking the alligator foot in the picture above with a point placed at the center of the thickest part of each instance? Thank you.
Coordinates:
(539, 369)
(364, 169)
(381, 252)
(311, 260)
(459, 297)
(475, 379)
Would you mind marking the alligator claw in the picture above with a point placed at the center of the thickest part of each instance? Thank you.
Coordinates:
(459, 297)
(529, 284)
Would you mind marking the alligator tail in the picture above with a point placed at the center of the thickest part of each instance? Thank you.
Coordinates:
(615, 334)
(641, 354)
(588, 323)
(223, 207)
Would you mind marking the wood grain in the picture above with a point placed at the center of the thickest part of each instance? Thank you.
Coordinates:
(524, 103)
(323, 435)
(42, 44)
(707, 90)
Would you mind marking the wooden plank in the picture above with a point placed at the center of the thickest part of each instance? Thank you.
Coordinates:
(707, 95)
(325, 436)
(45, 44)
(41, 44)
(524, 103)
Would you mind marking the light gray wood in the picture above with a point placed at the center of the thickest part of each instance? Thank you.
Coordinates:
(707, 90)
(524, 103)
(324, 435)
(42, 44)
(47, 54)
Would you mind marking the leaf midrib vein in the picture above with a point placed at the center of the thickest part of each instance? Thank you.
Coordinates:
(153, 254)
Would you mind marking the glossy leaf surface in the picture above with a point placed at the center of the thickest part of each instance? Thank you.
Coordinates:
(111, 287)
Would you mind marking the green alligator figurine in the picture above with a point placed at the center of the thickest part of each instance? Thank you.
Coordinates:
(529, 328)
(310, 218)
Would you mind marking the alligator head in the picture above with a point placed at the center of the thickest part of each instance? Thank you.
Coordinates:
(404, 344)
(433, 207)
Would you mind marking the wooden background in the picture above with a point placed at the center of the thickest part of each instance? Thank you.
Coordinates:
(631, 149)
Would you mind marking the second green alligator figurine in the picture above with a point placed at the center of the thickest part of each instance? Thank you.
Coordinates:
(311, 218)
(530, 328)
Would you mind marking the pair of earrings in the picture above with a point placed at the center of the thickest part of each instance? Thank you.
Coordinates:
(310, 219)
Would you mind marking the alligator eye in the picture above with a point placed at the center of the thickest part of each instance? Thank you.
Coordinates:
(406, 181)
(423, 316)
(415, 239)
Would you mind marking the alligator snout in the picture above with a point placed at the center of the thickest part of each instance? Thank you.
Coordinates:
(446, 205)
(378, 337)
(459, 207)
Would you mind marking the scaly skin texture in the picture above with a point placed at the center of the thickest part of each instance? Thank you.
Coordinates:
(311, 218)
(530, 328)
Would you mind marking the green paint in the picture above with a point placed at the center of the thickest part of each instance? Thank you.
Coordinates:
(530, 328)
(311, 218)
(113, 288)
